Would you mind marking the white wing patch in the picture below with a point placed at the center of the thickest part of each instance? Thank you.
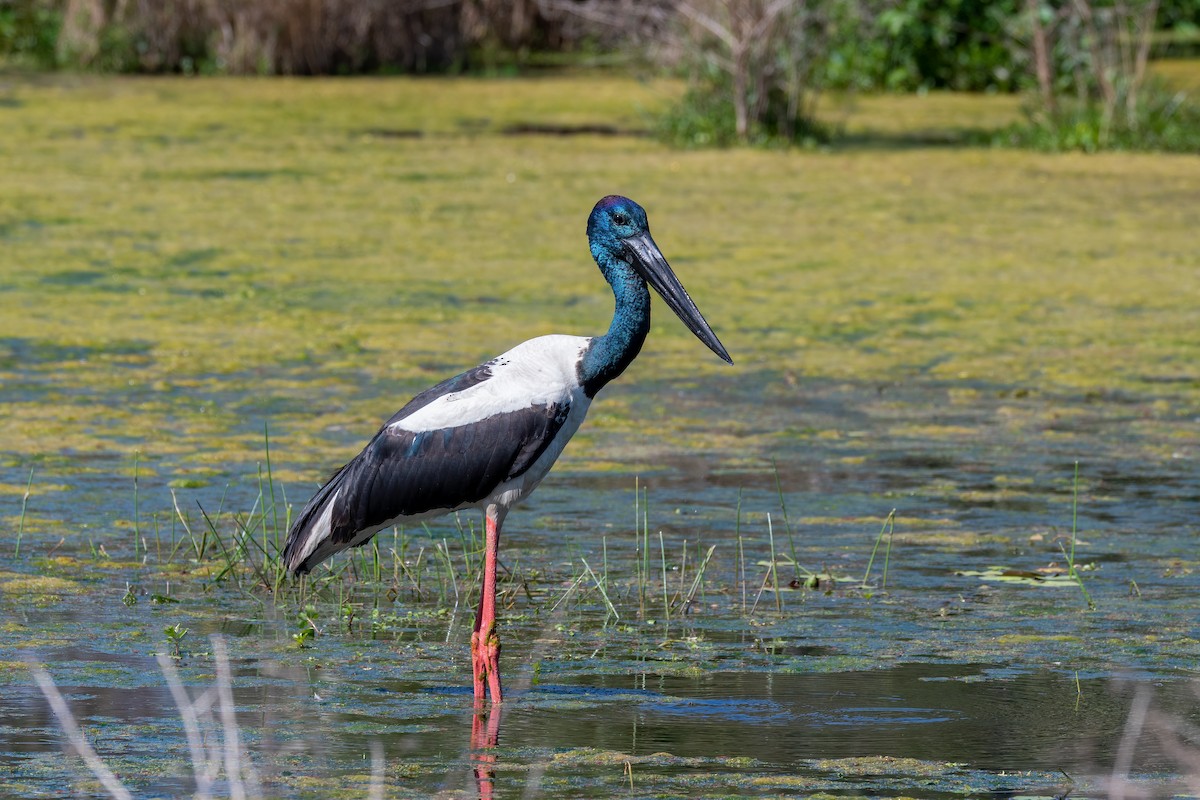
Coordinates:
(319, 532)
(540, 371)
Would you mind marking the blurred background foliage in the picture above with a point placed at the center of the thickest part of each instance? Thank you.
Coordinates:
(755, 69)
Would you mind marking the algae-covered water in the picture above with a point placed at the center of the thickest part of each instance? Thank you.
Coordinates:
(998, 347)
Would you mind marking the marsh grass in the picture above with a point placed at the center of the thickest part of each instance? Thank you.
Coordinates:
(436, 568)
(426, 568)
(244, 550)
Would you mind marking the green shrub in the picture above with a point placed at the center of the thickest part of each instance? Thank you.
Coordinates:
(925, 44)
(1165, 121)
(28, 32)
(704, 117)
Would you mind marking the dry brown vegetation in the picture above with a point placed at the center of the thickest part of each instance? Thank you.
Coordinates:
(305, 37)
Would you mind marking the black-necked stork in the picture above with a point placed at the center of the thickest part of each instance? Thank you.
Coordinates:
(486, 438)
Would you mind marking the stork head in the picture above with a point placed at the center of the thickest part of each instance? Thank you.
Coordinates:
(616, 217)
(619, 236)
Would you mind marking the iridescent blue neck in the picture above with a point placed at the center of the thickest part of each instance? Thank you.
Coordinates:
(607, 356)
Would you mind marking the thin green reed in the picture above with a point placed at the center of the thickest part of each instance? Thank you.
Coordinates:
(197, 547)
(470, 541)
(604, 553)
(697, 582)
(261, 505)
(637, 546)
(271, 486)
(1071, 569)
(645, 537)
(787, 526)
(887, 553)
(24, 506)
(270, 527)
(683, 568)
(157, 538)
(641, 541)
(232, 559)
(737, 526)
(662, 549)
(468, 547)
(603, 593)
(137, 532)
(888, 528)
(174, 545)
(774, 567)
(449, 563)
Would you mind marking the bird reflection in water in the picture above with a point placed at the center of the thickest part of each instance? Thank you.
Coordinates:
(485, 733)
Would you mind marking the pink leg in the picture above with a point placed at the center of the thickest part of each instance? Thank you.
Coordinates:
(485, 641)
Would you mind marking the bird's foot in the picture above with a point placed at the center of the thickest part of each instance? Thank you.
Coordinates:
(485, 665)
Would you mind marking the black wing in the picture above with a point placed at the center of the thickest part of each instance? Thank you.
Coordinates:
(405, 473)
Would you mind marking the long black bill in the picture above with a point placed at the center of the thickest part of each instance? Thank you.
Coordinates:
(649, 262)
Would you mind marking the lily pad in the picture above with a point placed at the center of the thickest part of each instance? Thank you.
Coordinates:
(1021, 577)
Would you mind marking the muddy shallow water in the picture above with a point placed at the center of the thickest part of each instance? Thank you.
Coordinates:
(914, 730)
(936, 683)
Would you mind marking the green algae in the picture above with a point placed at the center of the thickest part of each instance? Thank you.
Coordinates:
(1025, 638)
(37, 589)
(193, 259)
(834, 269)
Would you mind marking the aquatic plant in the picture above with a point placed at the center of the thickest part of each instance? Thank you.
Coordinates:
(21, 521)
(175, 635)
(1072, 571)
(888, 529)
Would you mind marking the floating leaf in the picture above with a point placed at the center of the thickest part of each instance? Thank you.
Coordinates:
(1019, 576)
